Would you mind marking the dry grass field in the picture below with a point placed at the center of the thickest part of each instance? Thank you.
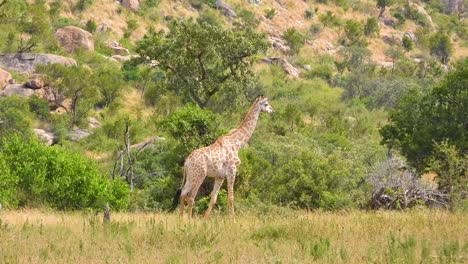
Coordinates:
(264, 236)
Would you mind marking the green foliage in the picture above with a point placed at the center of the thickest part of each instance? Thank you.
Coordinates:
(15, 117)
(416, 16)
(221, 202)
(401, 251)
(378, 91)
(248, 19)
(354, 57)
(39, 106)
(423, 119)
(395, 53)
(91, 26)
(441, 46)
(354, 32)
(371, 28)
(202, 61)
(82, 5)
(8, 184)
(109, 82)
(270, 13)
(330, 20)
(407, 43)
(210, 16)
(58, 178)
(193, 127)
(451, 167)
(76, 83)
(309, 14)
(295, 39)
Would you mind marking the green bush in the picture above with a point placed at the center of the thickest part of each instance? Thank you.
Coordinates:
(270, 13)
(91, 26)
(372, 27)
(295, 39)
(441, 46)
(15, 116)
(330, 20)
(407, 43)
(354, 32)
(58, 178)
(39, 106)
(8, 183)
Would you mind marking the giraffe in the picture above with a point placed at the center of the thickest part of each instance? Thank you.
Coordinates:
(219, 160)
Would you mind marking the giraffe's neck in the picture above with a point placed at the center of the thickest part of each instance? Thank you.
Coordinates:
(239, 137)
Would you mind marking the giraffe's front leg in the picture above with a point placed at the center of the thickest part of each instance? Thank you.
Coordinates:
(230, 186)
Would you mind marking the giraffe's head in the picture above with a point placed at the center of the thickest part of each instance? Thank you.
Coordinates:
(264, 105)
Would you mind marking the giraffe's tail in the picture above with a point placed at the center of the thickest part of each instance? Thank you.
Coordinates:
(176, 199)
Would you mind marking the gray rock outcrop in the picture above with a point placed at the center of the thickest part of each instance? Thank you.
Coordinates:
(26, 62)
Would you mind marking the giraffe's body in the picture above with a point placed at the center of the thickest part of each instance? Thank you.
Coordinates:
(219, 160)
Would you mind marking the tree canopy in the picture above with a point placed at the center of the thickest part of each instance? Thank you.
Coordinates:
(199, 71)
(423, 119)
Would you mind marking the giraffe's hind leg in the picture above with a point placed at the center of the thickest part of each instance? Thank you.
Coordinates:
(198, 180)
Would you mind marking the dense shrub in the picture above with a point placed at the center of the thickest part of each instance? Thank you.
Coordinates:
(58, 178)
(295, 39)
(372, 27)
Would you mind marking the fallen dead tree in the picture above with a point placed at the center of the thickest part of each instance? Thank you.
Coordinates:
(396, 187)
(396, 198)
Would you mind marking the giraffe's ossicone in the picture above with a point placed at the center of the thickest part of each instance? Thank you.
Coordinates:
(219, 160)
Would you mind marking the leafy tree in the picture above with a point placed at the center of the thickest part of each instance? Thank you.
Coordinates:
(441, 46)
(423, 119)
(354, 56)
(201, 60)
(383, 4)
(395, 53)
(295, 39)
(372, 27)
(109, 82)
(75, 83)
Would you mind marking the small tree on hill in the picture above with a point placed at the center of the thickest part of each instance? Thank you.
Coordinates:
(383, 4)
(441, 46)
(201, 60)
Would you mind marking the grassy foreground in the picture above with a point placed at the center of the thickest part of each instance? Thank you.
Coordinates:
(416, 236)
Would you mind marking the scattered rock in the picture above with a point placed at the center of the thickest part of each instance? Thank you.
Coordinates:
(117, 48)
(78, 134)
(71, 38)
(94, 123)
(16, 89)
(35, 82)
(385, 64)
(5, 78)
(411, 36)
(124, 58)
(255, 2)
(225, 9)
(103, 27)
(307, 67)
(388, 22)
(147, 143)
(132, 5)
(279, 43)
(287, 67)
(26, 62)
(455, 6)
(46, 136)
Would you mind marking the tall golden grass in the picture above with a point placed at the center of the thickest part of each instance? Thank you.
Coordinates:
(266, 236)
